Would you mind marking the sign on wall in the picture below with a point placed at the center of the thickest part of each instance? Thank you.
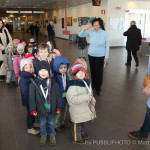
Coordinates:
(96, 2)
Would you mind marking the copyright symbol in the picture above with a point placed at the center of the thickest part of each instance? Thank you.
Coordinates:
(133, 142)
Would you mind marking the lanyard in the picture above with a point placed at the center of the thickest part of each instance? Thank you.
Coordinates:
(64, 80)
(88, 87)
(44, 94)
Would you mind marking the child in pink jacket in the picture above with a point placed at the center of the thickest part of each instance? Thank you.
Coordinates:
(17, 59)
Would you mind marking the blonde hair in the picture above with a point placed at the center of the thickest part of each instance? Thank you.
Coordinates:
(82, 61)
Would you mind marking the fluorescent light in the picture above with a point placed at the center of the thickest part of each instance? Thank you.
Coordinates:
(38, 12)
(26, 12)
(12, 11)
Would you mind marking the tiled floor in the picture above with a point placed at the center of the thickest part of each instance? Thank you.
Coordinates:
(121, 108)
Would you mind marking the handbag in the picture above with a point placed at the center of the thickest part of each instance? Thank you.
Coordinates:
(146, 80)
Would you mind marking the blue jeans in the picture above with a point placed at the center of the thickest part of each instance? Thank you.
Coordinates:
(51, 124)
(145, 129)
(29, 119)
(82, 52)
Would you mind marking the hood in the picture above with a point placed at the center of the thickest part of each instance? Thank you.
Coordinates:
(25, 74)
(60, 60)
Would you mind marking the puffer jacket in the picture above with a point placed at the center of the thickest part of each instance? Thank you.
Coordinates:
(80, 106)
(8, 60)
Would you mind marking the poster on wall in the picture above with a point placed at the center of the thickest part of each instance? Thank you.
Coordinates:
(69, 21)
(75, 20)
(84, 20)
(62, 22)
(116, 23)
(96, 2)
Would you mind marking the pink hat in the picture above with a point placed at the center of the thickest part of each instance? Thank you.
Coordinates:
(78, 66)
(29, 56)
(57, 52)
(16, 40)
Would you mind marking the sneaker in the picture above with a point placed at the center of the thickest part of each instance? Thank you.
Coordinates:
(136, 135)
(65, 126)
(52, 140)
(80, 142)
(36, 125)
(85, 136)
(42, 141)
(33, 131)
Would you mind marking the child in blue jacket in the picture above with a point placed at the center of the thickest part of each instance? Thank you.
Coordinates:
(26, 70)
(60, 67)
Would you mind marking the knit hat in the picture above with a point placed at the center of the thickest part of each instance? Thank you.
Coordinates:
(57, 52)
(78, 66)
(24, 62)
(23, 40)
(20, 46)
(43, 65)
(16, 40)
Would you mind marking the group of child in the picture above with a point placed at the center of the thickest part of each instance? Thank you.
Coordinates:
(46, 90)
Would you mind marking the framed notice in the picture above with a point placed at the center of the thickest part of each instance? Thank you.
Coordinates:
(116, 23)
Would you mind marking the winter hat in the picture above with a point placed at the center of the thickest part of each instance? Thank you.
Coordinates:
(21, 41)
(29, 56)
(24, 62)
(78, 66)
(20, 46)
(57, 52)
(16, 40)
(43, 65)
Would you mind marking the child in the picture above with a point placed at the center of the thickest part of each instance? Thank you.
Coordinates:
(43, 53)
(57, 52)
(82, 43)
(26, 70)
(30, 49)
(15, 44)
(81, 102)
(60, 67)
(24, 42)
(34, 44)
(8, 62)
(17, 59)
(44, 101)
(82, 61)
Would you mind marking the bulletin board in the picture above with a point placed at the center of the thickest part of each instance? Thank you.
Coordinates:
(116, 23)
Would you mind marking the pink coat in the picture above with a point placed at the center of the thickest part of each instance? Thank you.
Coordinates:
(16, 64)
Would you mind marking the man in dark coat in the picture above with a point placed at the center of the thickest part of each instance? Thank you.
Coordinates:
(51, 33)
(32, 29)
(134, 39)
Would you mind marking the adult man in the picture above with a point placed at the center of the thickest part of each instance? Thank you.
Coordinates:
(51, 33)
(134, 38)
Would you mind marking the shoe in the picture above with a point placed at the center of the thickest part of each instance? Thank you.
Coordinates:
(14, 84)
(36, 125)
(80, 142)
(8, 85)
(42, 141)
(128, 65)
(137, 64)
(52, 140)
(33, 131)
(98, 93)
(136, 135)
(85, 136)
(59, 129)
(65, 126)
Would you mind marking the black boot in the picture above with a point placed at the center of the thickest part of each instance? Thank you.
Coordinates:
(8, 85)
(14, 84)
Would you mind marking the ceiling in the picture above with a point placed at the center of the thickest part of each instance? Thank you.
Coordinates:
(40, 4)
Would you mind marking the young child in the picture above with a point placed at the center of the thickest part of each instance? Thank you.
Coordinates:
(15, 44)
(26, 71)
(81, 102)
(57, 52)
(24, 42)
(60, 67)
(43, 53)
(17, 59)
(82, 61)
(30, 49)
(45, 101)
(34, 44)
(82, 43)
(8, 62)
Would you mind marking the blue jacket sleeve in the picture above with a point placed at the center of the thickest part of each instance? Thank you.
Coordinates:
(84, 33)
(107, 46)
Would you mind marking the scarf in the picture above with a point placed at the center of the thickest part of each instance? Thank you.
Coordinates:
(42, 82)
(78, 83)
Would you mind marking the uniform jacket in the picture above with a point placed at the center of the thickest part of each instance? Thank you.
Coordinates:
(36, 99)
(24, 83)
(58, 77)
(134, 38)
(79, 107)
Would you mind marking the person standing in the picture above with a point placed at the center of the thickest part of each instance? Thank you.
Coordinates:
(134, 39)
(51, 32)
(98, 51)
(36, 29)
(32, 29)
(5, 39)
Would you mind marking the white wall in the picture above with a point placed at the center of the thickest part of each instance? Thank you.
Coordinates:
(87, 10)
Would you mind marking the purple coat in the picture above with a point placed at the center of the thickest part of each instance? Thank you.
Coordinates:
(16, 64)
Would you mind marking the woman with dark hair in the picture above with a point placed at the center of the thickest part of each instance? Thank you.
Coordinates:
(98, 51)
(5, 39)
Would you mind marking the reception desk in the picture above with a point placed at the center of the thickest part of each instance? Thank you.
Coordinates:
(145, 48)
